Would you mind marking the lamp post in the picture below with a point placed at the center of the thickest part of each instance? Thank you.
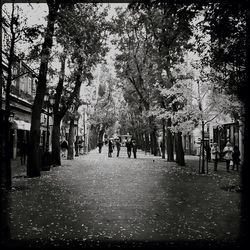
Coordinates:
(84, 132)
(49, 100)
(8, 156)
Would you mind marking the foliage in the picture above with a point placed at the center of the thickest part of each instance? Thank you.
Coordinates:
(227, 22)
(106, 108)
(83, 44)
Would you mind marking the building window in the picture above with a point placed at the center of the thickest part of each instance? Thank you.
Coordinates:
(29, 84)
(22, 84)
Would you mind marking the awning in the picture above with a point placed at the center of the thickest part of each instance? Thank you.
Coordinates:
(19, 124)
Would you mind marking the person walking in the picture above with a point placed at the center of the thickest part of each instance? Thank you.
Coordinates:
(129, 147)
(161, 147)
(110, 148)
(215, 155)
(64, 147)
(228, 152)
(134, 146)
(80, 146)
(118, 147)
(236, 158)
(100, 144)
(23, 152)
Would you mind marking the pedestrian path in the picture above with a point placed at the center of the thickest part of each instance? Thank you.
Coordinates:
(123, 153)
(192, 161)
(97, 198)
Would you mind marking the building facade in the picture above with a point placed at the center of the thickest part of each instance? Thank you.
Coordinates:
(22, 94)
(220, 130)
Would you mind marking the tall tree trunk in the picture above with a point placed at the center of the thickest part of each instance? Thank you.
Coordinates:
(170, 144)
(154, 142)
(34, 157)
(4, 219)
(163, 139)
(147, 143)
(58, 115)
(141, 141)
(93, 138)
(71, 140)
(56, 156)
(246, 158)
(180, 160)
(153, 136)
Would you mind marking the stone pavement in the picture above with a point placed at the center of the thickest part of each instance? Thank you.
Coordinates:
(94, 199)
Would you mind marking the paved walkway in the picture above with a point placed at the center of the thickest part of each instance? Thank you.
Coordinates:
(99, 199)
(192, 161)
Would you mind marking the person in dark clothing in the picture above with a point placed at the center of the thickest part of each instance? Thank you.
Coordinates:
(100, 144)
(161, 147)
(129, 147)
(236, 158)
(110, 148)
(134, 146)
(23, 152)
(118, 147)
(208, 153)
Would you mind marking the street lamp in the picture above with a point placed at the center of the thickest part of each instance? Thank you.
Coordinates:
(49, 101)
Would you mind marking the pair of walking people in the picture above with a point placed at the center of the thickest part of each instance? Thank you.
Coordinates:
(231, 155)
(131, 145)
(111, 146)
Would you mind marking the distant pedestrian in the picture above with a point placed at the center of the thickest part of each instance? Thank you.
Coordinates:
(134, 147)
(64, 147)
(23, 152)
(99, 145)
(129, 147)
(76, 147)
(161, 147)
(110, 148)
(80, 144)
(118, 147)
(208, 153)
(215, 155)
(236, 158)
(228, 155)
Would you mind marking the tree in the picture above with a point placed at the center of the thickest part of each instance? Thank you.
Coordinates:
(228, 23)
(84, 45)
(162, 30)
(105, 113)
(15, 31)
(133, 64)
(33, 163)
